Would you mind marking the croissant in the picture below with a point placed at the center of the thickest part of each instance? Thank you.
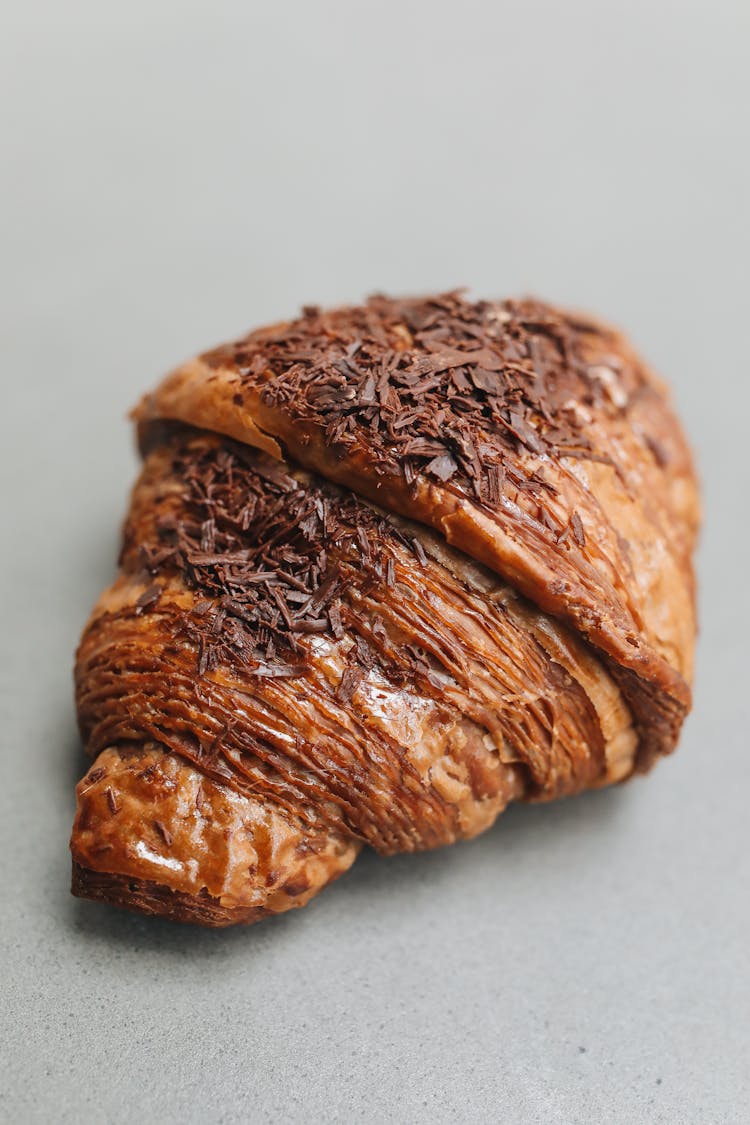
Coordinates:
(386, 569)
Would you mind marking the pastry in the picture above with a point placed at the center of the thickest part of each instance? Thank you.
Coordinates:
(386, 569)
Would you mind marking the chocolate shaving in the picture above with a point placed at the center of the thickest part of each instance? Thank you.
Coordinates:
(441, 387)
(348, 685)
(576, 527)
(267, 584)
(148, 597)
(418, 550)
(443, 467)
(164, 832)
(334, 617)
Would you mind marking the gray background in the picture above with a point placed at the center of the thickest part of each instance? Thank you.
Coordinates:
(174, 173)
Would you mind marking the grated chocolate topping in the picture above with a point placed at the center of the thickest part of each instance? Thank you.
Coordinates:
(269, 555)
(440, 387)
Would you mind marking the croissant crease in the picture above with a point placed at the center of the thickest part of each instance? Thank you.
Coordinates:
(386, 569)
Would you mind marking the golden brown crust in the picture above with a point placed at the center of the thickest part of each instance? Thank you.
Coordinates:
(327, 667)
(622, 478)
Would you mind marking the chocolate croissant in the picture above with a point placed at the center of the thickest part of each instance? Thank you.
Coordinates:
(386, 569)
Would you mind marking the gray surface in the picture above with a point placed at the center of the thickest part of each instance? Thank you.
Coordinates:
(174, 173)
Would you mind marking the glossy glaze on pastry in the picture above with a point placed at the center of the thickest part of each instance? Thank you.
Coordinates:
(386, 569)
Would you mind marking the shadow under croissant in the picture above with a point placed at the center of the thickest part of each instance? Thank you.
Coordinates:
(518, 830)
(372, 876)
(96, 922)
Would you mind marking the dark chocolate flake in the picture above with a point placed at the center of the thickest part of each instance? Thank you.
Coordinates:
(443, 467)
(334, 617)
(148, 598)
(483, 379)
(349, 683)
(418, 549)
(164, 832)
